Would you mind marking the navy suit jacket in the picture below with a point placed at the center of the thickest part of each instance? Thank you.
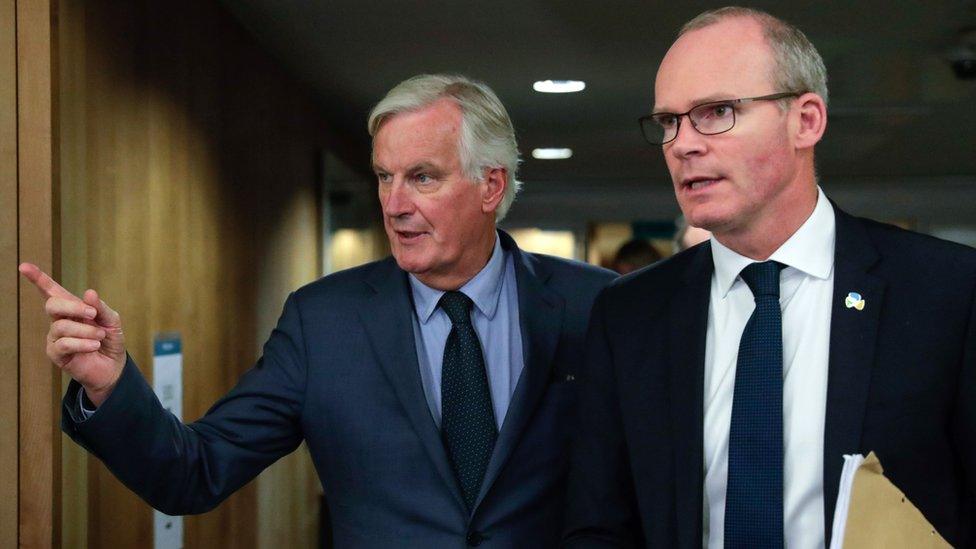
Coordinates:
(340, 372)
(901, 382)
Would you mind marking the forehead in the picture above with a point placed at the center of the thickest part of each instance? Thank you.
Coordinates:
(721, 61)
(427, 134)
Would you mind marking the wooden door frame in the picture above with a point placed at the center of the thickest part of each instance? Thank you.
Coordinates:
(9, 305)
(30, 466)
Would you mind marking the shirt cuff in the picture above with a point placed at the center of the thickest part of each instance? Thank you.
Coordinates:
(86, 406)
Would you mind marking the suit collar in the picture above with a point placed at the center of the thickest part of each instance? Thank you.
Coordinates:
(540, 320)
(386, 318)
(851, 357)
(688, 323)
(852, 341)
(484, 289)
(809, 250)
(853, 246)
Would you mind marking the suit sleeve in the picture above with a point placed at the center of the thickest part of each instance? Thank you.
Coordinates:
(964, 420)
(190, 468)
(601, 509)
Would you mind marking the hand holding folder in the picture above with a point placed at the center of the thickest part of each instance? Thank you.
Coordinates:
(873, 513)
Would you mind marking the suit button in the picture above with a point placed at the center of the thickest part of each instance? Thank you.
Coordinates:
(475, 538)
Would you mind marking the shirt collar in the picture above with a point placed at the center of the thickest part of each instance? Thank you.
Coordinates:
(484, 288)
(810, 249)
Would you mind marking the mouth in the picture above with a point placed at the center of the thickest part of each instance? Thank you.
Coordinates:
(693, 184)
(407, 237)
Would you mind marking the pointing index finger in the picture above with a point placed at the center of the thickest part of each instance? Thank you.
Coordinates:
(44, 283)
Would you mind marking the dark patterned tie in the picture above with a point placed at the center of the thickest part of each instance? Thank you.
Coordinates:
(467, 416)
(754, 493)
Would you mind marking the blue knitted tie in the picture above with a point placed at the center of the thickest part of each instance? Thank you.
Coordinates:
(467, 417)
(754, 493)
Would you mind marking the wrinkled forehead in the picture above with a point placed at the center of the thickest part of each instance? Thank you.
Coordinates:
(727, 60)
(428, 134)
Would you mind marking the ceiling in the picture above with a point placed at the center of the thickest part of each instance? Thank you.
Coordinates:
(897, 111)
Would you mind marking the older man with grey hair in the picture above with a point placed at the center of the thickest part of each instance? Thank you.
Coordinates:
(434, 388)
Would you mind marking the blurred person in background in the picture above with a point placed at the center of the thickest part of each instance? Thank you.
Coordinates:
(634, 254)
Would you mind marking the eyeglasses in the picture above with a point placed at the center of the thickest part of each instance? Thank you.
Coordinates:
(709, 118)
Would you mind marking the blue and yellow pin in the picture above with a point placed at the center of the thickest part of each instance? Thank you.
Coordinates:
(854, 301)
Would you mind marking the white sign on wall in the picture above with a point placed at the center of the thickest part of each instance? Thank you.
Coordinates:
(168, 385)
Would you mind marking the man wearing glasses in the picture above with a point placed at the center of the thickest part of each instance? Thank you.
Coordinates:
(723, 387)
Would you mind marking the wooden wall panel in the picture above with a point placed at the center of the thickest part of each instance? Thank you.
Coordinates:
(38, 218)
(190, 202)
(74, 459)
(8, 278)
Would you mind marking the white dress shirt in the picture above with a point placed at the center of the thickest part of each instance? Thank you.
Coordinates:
(806, 287)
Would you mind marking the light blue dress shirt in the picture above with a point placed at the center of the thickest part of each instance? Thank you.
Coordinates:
(495, 317)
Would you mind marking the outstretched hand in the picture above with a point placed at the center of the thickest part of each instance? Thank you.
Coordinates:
(85, 339)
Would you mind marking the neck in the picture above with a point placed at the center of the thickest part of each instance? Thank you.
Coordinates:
(476, 257)
(759, 239)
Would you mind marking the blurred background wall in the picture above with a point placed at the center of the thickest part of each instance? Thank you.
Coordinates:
(190, 199)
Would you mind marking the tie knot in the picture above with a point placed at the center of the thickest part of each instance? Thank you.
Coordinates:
(457, 306)
(762, 278)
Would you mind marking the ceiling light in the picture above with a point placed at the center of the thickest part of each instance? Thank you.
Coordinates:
(552, 154)
(559, 86)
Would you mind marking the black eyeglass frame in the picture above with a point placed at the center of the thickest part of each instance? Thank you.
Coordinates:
(678, 116)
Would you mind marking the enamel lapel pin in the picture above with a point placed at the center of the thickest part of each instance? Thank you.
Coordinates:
(854, 301)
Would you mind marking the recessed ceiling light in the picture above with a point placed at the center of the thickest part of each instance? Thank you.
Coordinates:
(552, 154)
(559, 86)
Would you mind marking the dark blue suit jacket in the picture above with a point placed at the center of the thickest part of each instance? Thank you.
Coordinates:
(340, 372)
(901, 382)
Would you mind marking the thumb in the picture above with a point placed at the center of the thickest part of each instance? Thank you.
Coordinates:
(105, 316)
(114, 343)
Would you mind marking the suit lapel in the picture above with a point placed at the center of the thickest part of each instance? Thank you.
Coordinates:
(688, 318)
(388, 322)
(852, 342)
(541, 318)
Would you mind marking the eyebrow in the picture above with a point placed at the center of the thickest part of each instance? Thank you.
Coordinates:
(423, 167)
(700, 101)
(419, 167)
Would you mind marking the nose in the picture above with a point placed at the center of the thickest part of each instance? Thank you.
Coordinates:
(688, 141)
(395, 198)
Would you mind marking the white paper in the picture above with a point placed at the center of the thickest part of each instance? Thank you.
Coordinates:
(851, 464)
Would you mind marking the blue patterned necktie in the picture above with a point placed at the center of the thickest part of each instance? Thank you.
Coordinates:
(754, 493)
(467, 417)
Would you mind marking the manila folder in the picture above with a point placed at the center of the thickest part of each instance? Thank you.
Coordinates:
(881, 516)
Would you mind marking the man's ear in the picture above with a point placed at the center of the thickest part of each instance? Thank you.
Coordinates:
(493, 189)
(812, 113)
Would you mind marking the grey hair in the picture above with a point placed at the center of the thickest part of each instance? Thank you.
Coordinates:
(797, 64)
(487, 136)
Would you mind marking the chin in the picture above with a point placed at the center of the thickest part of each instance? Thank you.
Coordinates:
(409, 263)
(703, 220)
(708, 223)
(416, 269)
(711, 217)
